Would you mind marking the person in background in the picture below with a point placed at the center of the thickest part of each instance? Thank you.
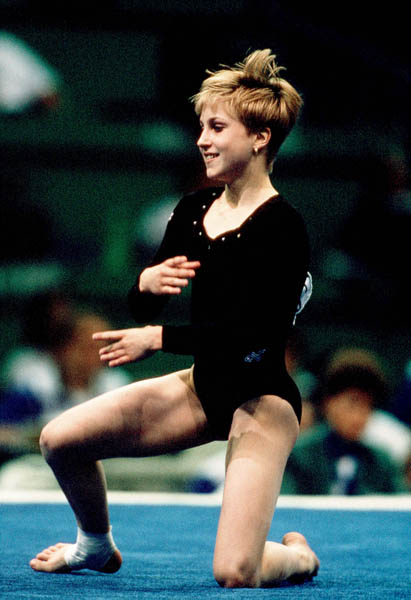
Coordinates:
(383, 429)
(57, 367)
(331, 457)
(401, 403)
(30, 376)
(28, 83)
(303, 377)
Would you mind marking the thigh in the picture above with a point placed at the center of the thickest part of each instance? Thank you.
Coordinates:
(144, 418)
(262, 436)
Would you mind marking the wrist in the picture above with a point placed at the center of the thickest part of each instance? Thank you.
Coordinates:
(140, 283)
(156, 332)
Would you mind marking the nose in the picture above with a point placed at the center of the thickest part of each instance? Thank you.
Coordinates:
(202, 140)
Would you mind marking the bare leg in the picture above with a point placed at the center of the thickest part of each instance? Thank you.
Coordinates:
(142, 419)
(262, 436)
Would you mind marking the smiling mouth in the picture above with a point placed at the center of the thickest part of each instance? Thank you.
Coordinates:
(209, 157)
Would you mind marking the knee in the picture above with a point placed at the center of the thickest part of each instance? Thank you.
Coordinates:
(236, 574)
(53, 442)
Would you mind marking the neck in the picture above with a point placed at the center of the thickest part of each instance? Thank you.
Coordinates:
(250, 192)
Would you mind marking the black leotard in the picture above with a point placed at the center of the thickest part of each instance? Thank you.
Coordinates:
(243, 300)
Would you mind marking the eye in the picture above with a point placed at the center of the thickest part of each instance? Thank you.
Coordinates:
(218, 127)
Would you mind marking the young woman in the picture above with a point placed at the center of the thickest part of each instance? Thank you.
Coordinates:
(245, 251)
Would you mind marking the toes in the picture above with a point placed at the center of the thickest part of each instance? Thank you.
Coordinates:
(293, 537)
(309, 561)
(47, 566)
(46, 553)
(39, 564)
(50, 559)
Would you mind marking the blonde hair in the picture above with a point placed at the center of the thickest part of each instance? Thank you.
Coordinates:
(256, 93)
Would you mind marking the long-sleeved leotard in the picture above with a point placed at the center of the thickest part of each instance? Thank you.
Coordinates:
(243, 301)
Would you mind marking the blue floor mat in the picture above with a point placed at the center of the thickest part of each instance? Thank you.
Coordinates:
(168, 550)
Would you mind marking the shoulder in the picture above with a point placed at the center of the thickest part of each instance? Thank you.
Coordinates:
(285, 212)
(191, 206)
(196, 201)
(279, 224)
(278, 216)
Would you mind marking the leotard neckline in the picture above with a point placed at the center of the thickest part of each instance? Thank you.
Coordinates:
(236, 230)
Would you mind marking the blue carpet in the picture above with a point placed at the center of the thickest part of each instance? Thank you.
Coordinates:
(167, 552)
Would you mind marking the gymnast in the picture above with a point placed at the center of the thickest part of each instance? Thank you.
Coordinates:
(244, 250)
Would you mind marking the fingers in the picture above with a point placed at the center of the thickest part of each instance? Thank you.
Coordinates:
(114, 357)
(119, 361)
(190, 264)
(176, 280)
(170, 290)
(178, 273)
(182, 262)
(108, 335)
(113, 352)
(175, 261)
(169, 276)
(109, 353)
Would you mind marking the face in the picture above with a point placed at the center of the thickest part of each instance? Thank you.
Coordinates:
(226, 145)
(348, 412)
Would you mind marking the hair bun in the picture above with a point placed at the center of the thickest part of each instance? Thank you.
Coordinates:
(260, 70)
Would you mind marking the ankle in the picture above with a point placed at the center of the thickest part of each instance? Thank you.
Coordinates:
(91, 550)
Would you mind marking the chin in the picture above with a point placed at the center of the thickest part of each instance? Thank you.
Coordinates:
(215, 178)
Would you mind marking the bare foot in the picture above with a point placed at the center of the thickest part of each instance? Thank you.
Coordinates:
(309, 561)
(51, 560)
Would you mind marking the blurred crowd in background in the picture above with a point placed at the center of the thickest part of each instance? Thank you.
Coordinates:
(355, 430)
(64, 271)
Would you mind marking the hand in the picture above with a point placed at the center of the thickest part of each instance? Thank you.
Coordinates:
(169, 277)
(129, 345)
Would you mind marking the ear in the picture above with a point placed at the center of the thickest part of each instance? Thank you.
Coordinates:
(262, 139)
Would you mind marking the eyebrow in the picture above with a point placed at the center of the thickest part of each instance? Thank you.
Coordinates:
(213, 119)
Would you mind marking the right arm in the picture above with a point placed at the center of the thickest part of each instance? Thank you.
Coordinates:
(156, 282)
